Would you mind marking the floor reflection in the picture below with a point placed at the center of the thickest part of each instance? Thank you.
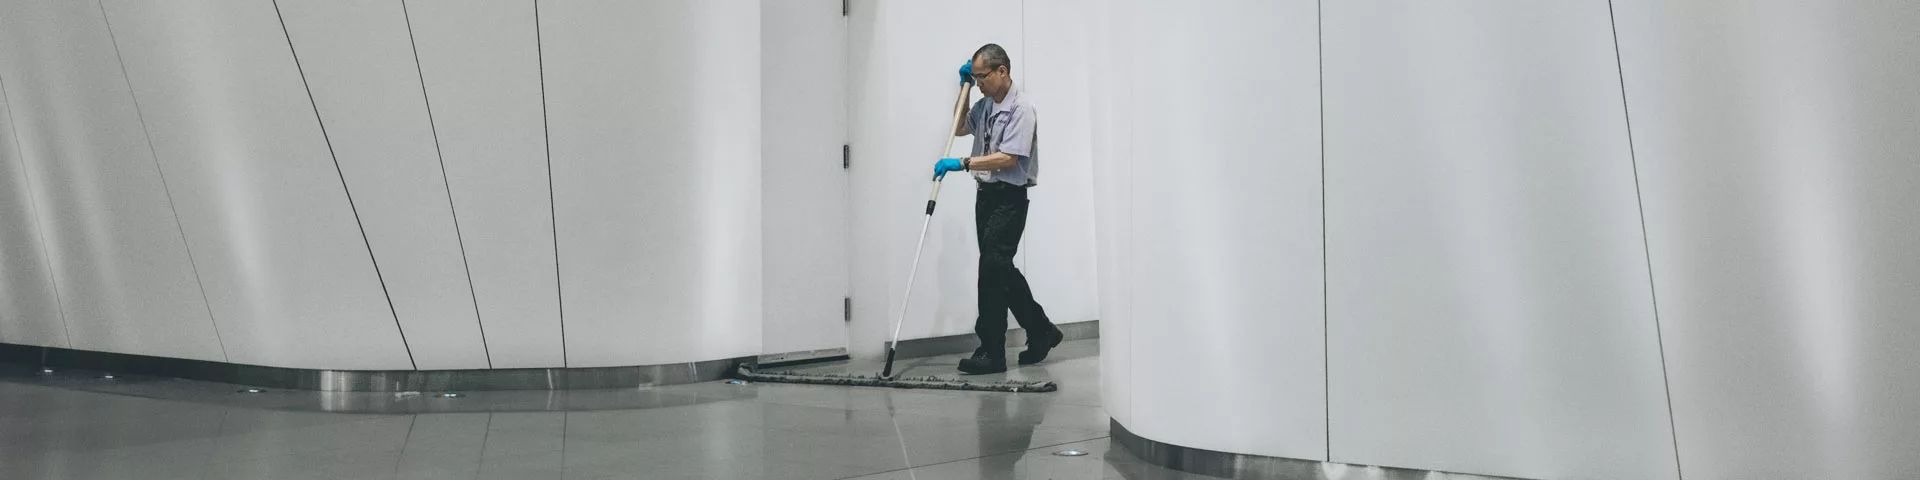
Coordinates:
(73, 424)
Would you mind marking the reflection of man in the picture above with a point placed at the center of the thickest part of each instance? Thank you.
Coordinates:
(1005, 162)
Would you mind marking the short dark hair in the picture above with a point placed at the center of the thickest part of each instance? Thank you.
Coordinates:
(992, 56)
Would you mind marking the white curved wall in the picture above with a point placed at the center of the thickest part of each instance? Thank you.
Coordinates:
(1548, 255)
(1777, 145)
(480, 62)
(1222, 191)
(1111, 133)
(653, 111)
(1486, 276)
(258, 193)
(376, 184)
(359, 63)
(118, 260)
(29, 307)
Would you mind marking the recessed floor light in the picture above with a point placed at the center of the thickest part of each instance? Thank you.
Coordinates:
(107, 376)
(46, 370)
(252, 390)
(449, 395)
(1069, 453)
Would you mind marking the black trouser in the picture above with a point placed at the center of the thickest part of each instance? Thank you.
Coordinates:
(999, 217)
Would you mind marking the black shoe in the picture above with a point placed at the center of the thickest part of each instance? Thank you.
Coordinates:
(1039, 344)
(982, 363)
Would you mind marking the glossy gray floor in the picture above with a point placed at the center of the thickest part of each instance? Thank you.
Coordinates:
(76, 425)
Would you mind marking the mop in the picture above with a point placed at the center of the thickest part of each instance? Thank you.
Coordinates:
(886, 378)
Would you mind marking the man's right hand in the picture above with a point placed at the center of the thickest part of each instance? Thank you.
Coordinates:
(966, 72)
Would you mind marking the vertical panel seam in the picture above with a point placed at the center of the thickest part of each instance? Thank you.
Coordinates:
(1326, 317)
(321, 122)
(479, 319)
(13, 124)
(845, 242)
(846, 141)
(546, 134)
(148, 136)
(1133, 315)
(1646, 244)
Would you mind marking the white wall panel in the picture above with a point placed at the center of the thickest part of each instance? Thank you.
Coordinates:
(29, 306)
(359, 62)
(117, 256)
(905, 62)
(1776, 145)
(803, 74)
(654, 111)
(869, 266)
(1059, 260)
(481, 64)
(1225, 234)
(284, 262)
(1488, 301)
(1110, 134)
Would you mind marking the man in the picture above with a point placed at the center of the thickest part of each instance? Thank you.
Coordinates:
(1005, 163)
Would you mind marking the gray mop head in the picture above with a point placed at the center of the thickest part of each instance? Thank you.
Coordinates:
(746, 373)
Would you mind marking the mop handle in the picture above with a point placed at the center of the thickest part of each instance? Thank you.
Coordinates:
(931, 200)
(915, 271)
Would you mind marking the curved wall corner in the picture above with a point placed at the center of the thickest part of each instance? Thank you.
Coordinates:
(1210, 192)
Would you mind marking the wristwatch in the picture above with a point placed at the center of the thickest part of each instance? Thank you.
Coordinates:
(966, 163)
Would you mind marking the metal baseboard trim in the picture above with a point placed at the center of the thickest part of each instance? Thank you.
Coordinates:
(376, 380)
(791, 359)
(1244, 466)
(965, 343)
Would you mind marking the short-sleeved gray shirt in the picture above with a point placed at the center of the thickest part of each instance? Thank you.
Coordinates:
(1010, 127)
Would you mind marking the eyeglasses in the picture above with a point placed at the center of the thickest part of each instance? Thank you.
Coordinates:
(978, 76)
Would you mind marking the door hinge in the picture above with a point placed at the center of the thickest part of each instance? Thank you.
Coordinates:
(846, 156)
(846, 309)
(844, 8)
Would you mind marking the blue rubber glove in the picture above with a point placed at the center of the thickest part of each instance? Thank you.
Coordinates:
(966, 72)
(945, 165)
